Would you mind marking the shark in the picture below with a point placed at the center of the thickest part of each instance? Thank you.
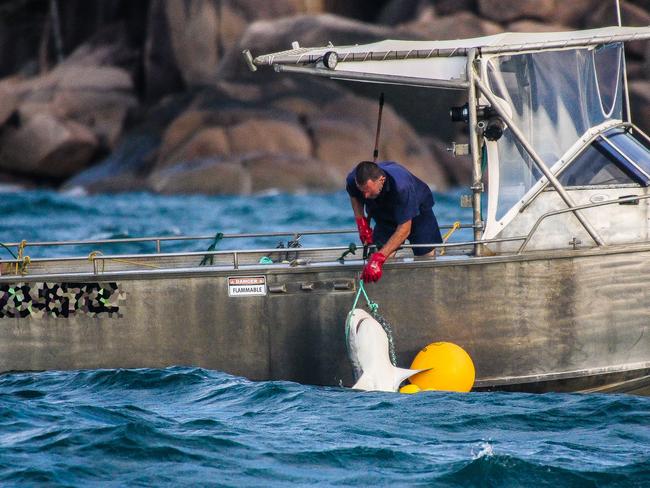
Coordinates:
(368, 350)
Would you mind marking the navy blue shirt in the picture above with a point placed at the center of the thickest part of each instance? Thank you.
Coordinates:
(402, 198)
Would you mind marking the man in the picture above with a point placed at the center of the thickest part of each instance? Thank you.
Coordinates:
(399, 203)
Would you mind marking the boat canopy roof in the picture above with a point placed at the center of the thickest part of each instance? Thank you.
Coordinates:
(391, 50)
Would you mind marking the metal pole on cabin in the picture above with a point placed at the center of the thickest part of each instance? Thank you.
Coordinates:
(628, 113)
(477, 177)
(538, 161)
(56, 30)
(372, 77)
(375, 153)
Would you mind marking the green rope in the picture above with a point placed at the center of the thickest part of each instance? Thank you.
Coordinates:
(209, 258)
(371, 305)
(374, 307)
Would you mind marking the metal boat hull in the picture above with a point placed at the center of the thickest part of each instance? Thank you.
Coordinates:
(569, 321)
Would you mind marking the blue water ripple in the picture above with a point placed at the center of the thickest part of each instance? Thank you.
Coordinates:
(147, 426)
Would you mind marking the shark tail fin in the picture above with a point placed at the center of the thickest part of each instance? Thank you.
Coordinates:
(400, 374)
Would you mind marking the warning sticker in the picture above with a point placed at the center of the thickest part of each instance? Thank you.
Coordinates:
(246, 286)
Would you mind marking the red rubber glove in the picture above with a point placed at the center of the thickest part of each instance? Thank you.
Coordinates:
(365, 232)
(372, 271)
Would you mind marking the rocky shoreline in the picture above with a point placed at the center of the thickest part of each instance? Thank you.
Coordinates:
(154, 96)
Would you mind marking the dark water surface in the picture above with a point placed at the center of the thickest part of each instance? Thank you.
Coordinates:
(193, 427)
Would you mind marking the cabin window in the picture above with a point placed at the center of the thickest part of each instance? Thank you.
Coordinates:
(607, 71)
(594, 166)
(554, 98)
(518, 173)
(635, 147)
(617, 158)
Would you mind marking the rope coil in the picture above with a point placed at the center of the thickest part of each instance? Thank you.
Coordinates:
(22, 261)
(92, 256)
(21, 249)
(24, 264)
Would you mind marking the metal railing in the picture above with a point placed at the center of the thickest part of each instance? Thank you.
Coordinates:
(98, 259)
(543, 217)
(235, 255)
(160, 239)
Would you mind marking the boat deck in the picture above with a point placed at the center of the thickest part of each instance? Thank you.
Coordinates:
(101, 264)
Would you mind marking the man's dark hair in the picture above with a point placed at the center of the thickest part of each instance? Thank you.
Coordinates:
(367, 170)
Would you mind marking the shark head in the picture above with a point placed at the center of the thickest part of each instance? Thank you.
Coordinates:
(368, 348)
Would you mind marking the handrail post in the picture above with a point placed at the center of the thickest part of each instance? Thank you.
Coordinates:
(477, 177)
(157, 246)
(538, 161)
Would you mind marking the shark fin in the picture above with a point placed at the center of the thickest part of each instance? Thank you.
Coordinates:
(400, 374)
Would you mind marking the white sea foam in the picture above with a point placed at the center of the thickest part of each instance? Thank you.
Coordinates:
(484, 449)
(75, 191)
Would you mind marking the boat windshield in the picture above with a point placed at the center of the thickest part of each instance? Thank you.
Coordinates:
(555, 97)
(617, 157)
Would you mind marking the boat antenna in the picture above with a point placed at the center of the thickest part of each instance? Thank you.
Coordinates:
(618, 12)
(375, 153)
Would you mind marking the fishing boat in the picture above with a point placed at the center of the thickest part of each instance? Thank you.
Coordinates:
(549, 293)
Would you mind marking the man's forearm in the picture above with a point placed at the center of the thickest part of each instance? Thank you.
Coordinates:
(397, 239)
(357, 208)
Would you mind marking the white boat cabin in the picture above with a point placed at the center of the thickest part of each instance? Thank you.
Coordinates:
(549, 128)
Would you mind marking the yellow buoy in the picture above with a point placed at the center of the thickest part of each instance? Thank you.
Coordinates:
(409, 389)
(449, 368)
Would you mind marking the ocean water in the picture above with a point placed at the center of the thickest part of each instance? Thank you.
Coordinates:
(184, 426)
(49, 216)
(193, 427)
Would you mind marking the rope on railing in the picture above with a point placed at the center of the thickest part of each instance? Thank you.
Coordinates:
(448, 234)
(95, 254)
